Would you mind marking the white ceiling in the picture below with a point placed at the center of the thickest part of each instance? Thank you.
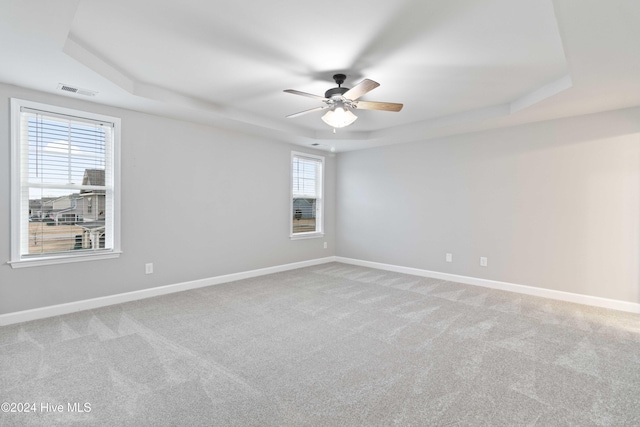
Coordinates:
(456, 65)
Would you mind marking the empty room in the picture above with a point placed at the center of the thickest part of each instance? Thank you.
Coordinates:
(409, 213)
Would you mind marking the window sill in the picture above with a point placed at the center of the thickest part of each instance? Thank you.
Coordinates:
(37, 262)
(301, 236)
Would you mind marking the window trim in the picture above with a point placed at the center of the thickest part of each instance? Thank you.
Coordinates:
(320, 211)
(17, 260)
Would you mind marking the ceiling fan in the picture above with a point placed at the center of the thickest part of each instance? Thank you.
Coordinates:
(341, 100)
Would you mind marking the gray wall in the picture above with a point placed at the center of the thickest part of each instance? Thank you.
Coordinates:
(552, 204)
(197, 201)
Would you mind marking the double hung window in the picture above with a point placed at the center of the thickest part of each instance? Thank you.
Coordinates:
(65, 185)
(306, 195)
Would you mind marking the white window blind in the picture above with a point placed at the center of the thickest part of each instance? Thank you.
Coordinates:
(305, 173)
(307, 195)
(65, 162)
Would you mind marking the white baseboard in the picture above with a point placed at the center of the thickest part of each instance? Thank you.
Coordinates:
(504, 286)
(72, 307)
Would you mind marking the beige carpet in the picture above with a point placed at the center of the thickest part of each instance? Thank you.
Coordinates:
(331, 345)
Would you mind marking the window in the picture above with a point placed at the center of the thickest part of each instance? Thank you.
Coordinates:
(65, 185)
(306, 196)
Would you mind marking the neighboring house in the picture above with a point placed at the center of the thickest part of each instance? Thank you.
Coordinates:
(93, 206)
(82, 208)
(87, 206)
(65, 209)
(40, 209)
(304, 208)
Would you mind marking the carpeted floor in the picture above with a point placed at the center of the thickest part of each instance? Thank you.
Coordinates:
(331, 345)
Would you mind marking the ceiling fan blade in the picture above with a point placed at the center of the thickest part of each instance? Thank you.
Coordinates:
(383, 106)
(310, 95)
(290, 116)
(360, 89)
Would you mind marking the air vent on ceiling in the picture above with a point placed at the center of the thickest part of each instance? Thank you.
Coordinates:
(68, 88)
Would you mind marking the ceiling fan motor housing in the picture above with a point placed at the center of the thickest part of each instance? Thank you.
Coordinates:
(336, 91)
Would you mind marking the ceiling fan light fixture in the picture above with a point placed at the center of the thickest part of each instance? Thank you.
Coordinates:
(339, 117)
(339, 101)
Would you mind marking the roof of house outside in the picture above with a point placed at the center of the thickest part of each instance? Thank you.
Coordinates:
(93, 177)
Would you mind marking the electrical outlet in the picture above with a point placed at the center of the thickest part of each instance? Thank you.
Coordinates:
(148, 268)
(483, 261)
(325, 245)
(449, 258)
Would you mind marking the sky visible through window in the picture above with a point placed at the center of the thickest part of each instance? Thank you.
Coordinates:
(59, 153)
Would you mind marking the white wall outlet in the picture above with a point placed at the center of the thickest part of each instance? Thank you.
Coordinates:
(449, 258)
(483, 261)
(148, 268)
(325, 245)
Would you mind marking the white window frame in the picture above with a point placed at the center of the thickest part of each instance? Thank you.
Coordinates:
(319, 198)
(18, 217)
